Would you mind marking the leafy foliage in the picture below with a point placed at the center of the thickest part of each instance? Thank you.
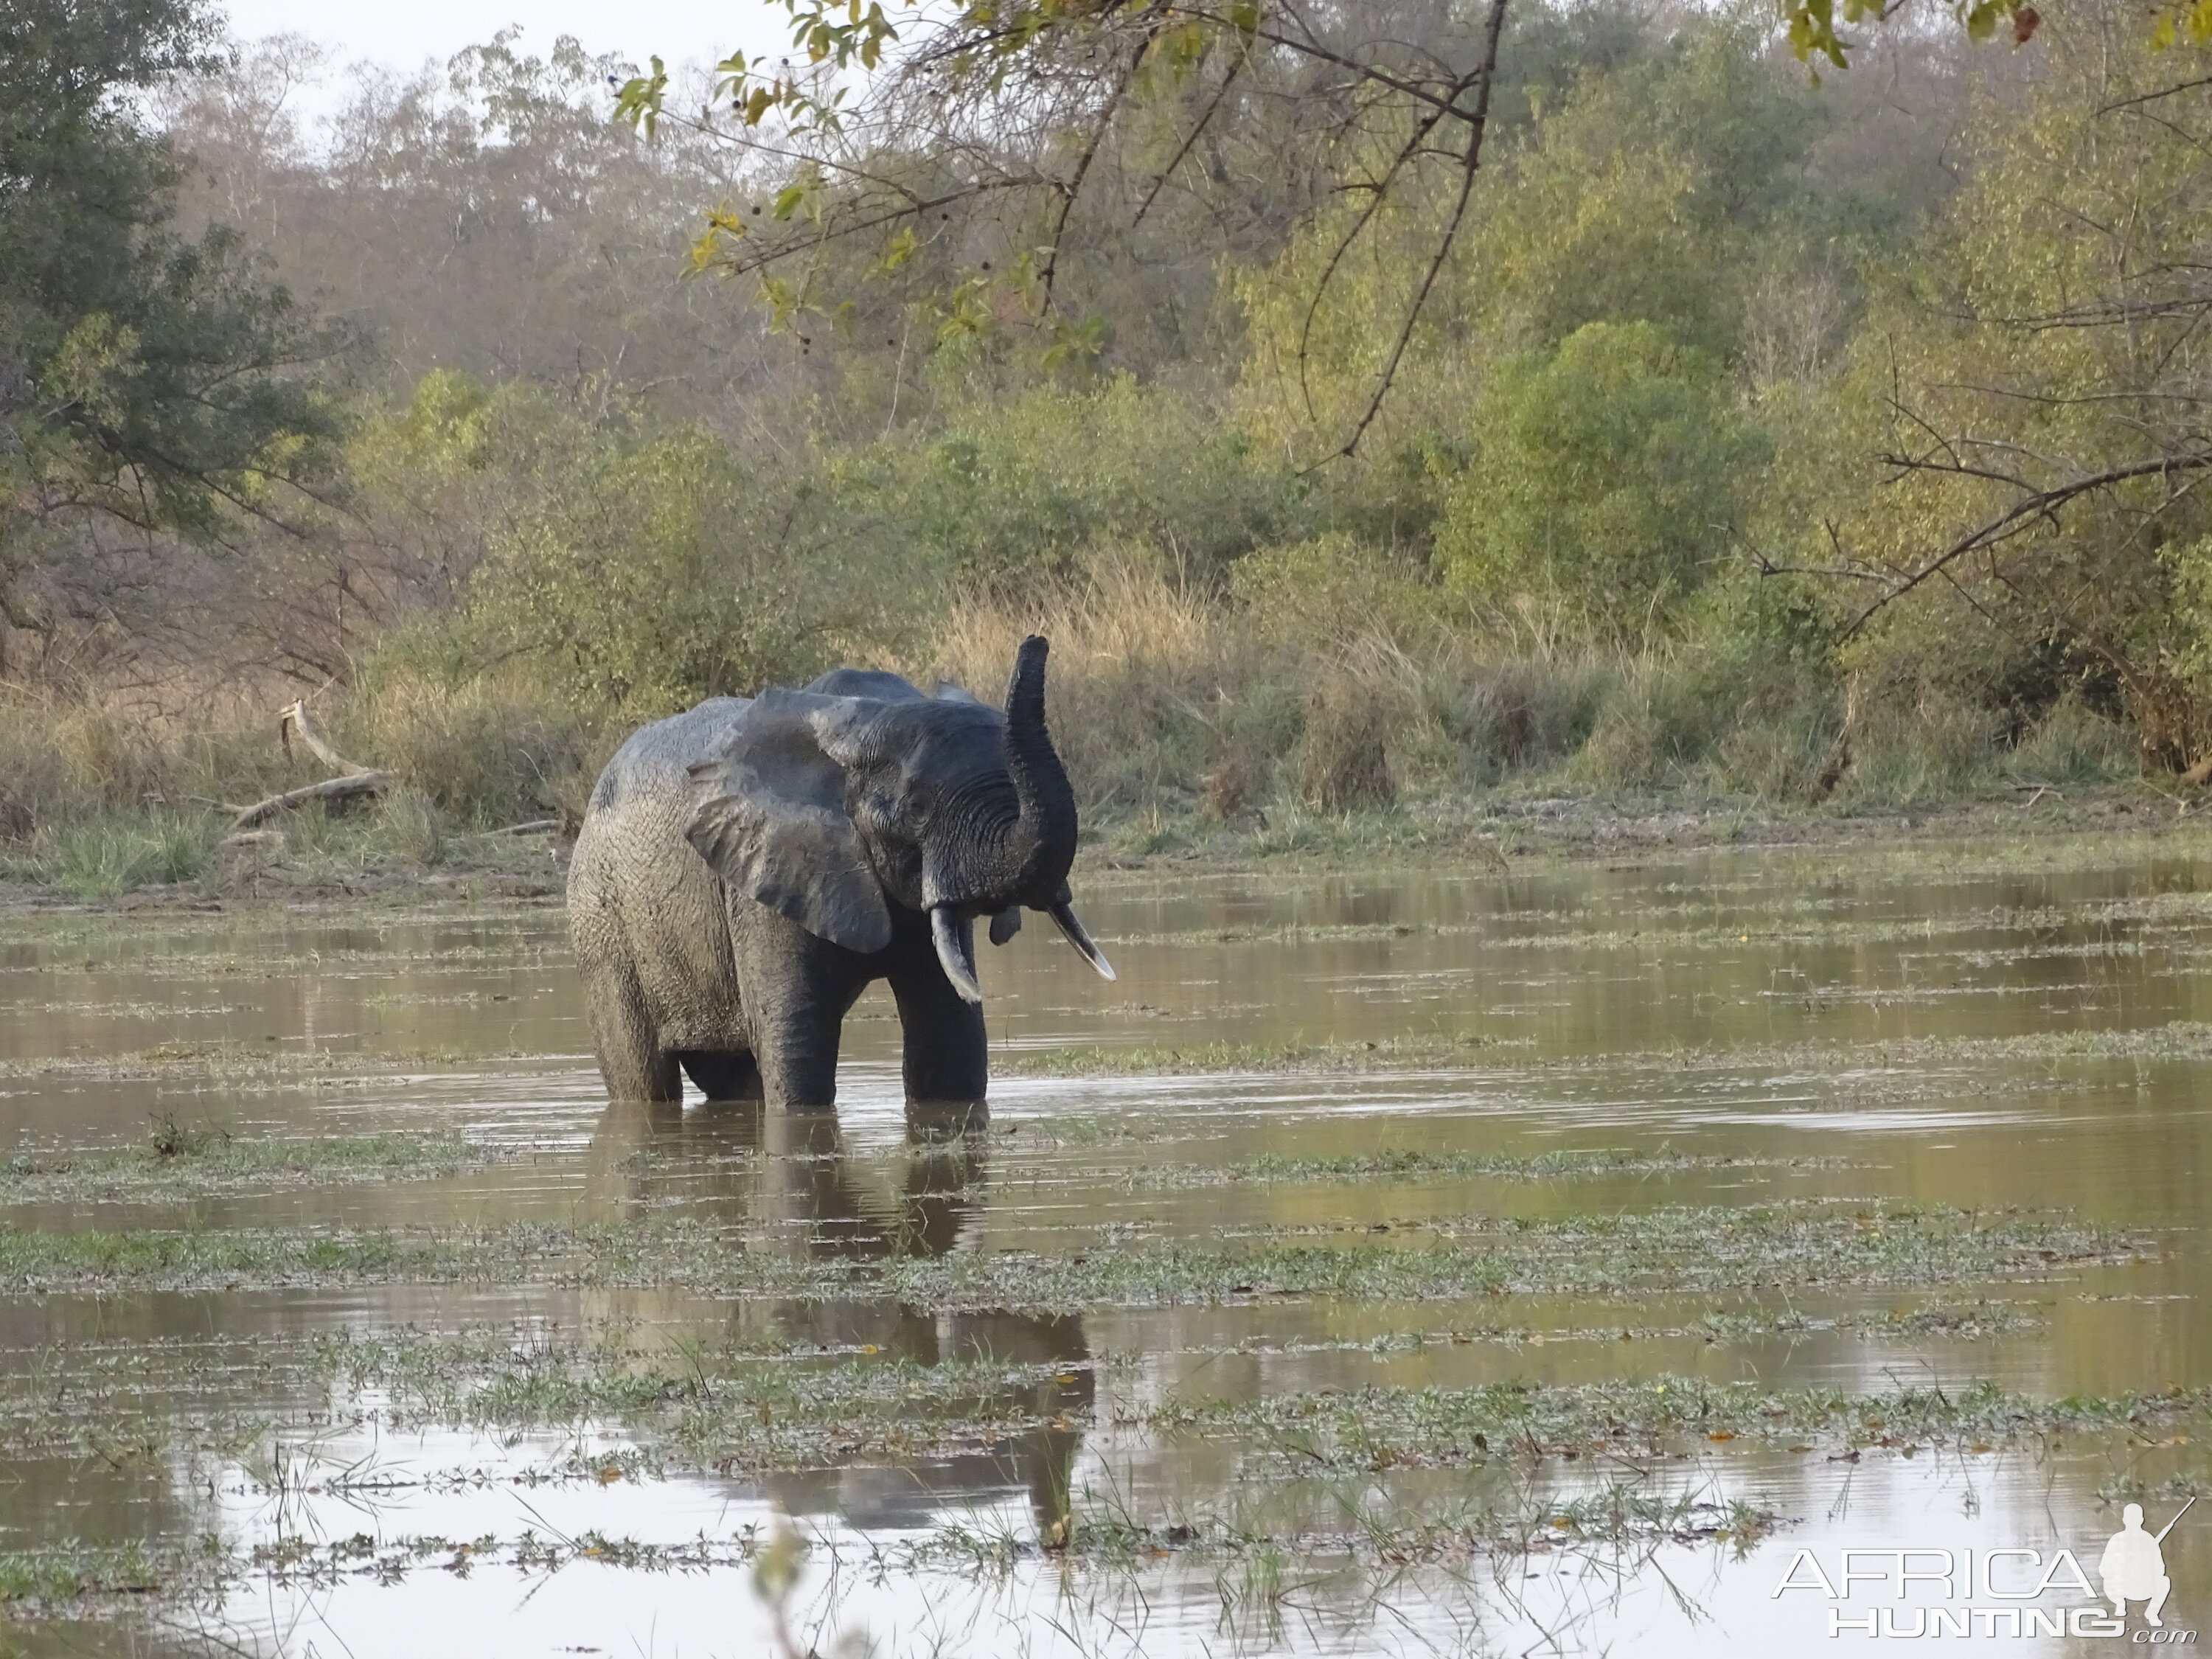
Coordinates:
(640, 570)
(2034, 391)
(1727, 431)
(145, 377)
(1602, 483)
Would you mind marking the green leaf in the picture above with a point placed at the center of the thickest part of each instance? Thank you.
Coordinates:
(638, 100)
(901, 248)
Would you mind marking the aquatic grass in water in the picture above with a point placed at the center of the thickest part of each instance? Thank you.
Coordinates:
(165, 1404)
(1673, 1249)
(238, 1065)
(732, 1410)
(1366, 1430)
(1624, 1517)
(1413, 1165)
(1102, 1061)
(2176, 1039)
(182, 1160)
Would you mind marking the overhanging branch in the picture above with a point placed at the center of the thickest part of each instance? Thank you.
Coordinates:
(2036, 505)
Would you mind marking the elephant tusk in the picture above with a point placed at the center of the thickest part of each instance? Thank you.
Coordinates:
(956, 951)
(1064, 914)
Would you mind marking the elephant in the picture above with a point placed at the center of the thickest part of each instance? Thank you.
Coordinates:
(745, 870)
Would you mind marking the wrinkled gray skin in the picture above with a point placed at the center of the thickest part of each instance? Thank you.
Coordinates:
(746, 869)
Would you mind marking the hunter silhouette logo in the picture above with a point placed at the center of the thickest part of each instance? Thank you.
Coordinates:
(2133, 1566)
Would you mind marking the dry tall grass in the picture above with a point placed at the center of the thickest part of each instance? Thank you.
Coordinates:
(1148, 690)
(1316, 686)
(1348, 696)
(486, 750)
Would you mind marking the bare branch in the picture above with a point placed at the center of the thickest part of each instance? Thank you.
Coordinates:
(2039, 504)
(1483, 74)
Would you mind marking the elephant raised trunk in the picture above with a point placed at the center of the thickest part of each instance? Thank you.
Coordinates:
(1024, 858)
(1043, 840)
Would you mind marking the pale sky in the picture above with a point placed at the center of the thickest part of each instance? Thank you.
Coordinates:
(401, 34)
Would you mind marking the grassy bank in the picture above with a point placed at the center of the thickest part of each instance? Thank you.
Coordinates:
(1195, 728)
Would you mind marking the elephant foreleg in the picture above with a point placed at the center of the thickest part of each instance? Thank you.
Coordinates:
(797, 992)
(947, 1049)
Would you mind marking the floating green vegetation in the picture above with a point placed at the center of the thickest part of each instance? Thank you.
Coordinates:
(65, 1575)
(760, 1402)
(1671, 1249)
(80, 1580)
(1383, 1428)
(1414, 1165)
(1973, 1321)
(722, 1409)
(1762, 917)
(179, 1160)
(1440, 1048)
(241, 1065)
(2177, 1040)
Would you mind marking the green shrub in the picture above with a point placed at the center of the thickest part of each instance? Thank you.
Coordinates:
(1603, 481)
(1530, 712)
(1783, 747)
(1334, 588)
(2075, 744)
(620, 566)
(1915, 745)
(1015, 496)
(1657, 727)
(102, 857)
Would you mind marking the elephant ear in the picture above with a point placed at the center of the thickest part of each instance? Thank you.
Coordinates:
(768, 814)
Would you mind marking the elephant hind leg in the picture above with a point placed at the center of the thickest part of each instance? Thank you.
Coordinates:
(631, 1059)
(723, 1076)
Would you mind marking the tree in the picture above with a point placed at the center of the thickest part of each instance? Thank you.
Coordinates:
(145, 378)
(2040, 396)
(1030, 114)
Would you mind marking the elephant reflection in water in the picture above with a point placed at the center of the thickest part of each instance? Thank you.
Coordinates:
(783, 1179)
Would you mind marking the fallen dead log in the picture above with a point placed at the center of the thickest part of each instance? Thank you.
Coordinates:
(345, 788)
(295, 717)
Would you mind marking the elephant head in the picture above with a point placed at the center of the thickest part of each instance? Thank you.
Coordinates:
(831, 805)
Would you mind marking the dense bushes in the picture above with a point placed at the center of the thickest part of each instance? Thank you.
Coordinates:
(1603, 485)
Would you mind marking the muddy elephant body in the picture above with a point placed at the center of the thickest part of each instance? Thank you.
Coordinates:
(745, 870)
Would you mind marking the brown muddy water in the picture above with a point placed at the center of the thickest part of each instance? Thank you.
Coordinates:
(339, 1314)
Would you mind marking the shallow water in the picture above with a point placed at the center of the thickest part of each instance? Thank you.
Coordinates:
(1839, 1032)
